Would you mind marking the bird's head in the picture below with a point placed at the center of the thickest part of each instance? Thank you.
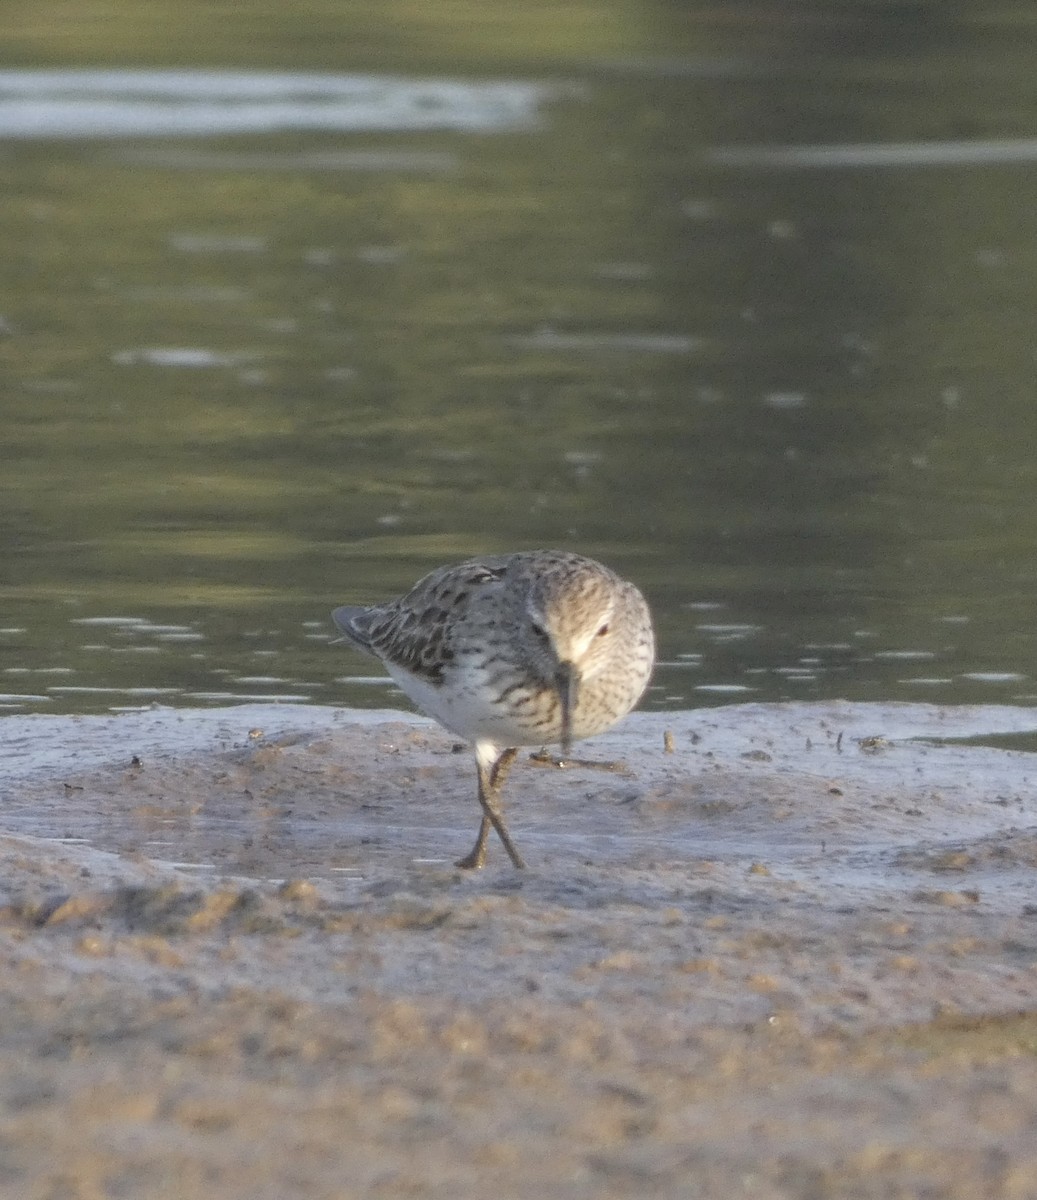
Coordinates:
(569, 618)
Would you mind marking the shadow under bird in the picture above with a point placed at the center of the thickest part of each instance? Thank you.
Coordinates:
(513, 650)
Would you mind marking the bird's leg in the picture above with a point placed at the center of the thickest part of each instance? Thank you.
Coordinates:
(476, 857)
(500, 769)
(492, 774)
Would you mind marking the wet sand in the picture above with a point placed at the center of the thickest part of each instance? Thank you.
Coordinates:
(794, 957)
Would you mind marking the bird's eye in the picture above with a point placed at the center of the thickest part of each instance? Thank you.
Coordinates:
(539, 630)
(602, 631)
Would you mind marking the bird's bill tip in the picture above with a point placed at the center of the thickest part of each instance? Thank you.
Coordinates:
(567, 679)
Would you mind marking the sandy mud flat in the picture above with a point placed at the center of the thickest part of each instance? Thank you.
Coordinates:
(794, 955)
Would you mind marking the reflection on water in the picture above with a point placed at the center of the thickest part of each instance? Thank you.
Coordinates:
(119, 103)
(171, 356)
(380, 159)
(982, 152)
(592, 343)
(338, 329)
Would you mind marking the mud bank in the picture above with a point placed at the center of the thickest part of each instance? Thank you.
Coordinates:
(796, 955)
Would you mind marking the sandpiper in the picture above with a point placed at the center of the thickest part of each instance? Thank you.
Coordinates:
(514, 650)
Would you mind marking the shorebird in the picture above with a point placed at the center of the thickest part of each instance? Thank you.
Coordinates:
(514, 650)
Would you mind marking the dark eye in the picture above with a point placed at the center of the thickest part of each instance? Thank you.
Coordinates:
(539, 630)
(602, 631)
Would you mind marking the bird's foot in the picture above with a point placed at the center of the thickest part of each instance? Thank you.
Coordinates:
(543, 758)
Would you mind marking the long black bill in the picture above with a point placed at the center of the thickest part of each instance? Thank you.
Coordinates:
(567, 680)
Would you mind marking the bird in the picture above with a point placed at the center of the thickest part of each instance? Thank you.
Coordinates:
(522, 649)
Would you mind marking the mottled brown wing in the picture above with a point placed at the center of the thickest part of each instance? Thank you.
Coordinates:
(414, 631)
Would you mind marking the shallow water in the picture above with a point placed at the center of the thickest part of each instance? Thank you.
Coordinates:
(738, 304)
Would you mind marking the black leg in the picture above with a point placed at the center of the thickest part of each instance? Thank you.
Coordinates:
(476, 857)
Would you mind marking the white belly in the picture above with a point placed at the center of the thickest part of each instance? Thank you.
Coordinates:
(468, 705)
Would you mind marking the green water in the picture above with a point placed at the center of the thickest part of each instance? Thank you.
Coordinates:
(249, 376)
